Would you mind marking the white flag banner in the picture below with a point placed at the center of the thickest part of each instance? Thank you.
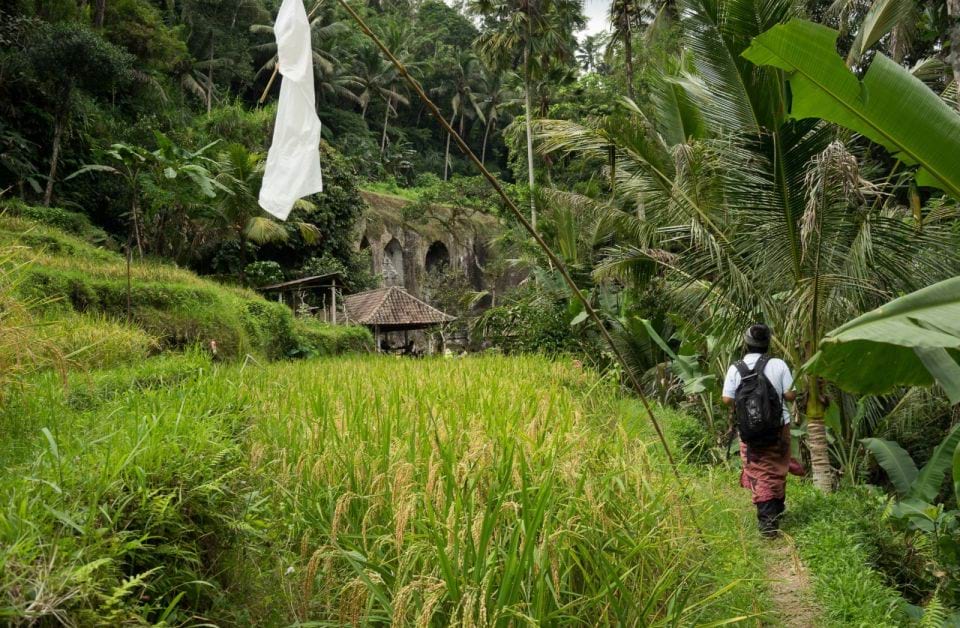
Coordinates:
(293, 163)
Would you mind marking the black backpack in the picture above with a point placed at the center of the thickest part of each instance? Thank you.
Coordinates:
(758, 406)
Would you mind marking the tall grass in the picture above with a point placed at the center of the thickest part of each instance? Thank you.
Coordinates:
(361, 490)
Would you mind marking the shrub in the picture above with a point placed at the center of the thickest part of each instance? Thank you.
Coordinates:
(270, 327)
(694, 439)
(534, 326)
(71, 222)
(263, 273)
(426, 180)
(316, 338)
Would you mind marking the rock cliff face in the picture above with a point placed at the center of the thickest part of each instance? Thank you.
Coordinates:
(403, 249)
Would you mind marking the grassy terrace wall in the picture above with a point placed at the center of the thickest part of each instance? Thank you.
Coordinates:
(353, 490)
(78, 290)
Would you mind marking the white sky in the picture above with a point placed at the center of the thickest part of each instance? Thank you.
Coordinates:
(596, 12)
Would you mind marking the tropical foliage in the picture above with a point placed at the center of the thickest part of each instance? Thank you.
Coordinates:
(909, 341)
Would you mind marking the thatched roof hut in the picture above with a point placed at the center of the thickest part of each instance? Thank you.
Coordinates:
(392, 309)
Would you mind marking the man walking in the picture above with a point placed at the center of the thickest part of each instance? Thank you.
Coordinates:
(758, 388)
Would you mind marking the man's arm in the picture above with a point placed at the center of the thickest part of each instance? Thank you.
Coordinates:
(729, 385)
(786, 380)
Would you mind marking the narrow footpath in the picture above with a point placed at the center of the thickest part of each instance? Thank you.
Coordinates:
(788, 583)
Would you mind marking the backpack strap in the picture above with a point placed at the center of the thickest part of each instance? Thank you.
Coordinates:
(743, 369)
(761, 364)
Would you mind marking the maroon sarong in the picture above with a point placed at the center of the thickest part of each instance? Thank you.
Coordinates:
(765, 469)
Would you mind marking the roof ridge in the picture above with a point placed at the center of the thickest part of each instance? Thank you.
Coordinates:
(393, 305)
(426, 305)
(382, 300)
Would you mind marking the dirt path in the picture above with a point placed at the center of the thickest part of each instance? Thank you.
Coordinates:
(789, 585)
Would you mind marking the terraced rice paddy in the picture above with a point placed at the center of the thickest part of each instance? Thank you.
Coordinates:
(359, 490)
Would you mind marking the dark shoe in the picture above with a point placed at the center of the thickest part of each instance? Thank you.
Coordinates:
(768, 517)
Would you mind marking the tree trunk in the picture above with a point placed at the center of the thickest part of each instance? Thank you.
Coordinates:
(383, 139)
(210, 78)
(628, 53)
(529, 112)
(953, 9)
(99, 11)
(135, 221)
(243, 259)
(817, 438)
(58, 130)
(486, 135)
(446, 159)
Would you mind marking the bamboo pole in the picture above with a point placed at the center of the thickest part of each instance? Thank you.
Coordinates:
(551, 256)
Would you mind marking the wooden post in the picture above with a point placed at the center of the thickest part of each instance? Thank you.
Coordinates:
(129, 283)
(333, 296)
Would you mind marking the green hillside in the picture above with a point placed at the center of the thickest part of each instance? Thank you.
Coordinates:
(65, 301)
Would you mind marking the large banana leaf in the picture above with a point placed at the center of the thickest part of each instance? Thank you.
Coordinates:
(928, 482)
(890, 106)
(895, 461)
(911, 341)
(922, 485)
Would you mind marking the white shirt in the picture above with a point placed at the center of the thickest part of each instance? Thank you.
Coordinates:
(776, 371)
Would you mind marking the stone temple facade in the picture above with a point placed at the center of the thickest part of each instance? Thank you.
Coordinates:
(403, 251)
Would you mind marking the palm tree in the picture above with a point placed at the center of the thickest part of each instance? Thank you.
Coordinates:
(238, 213)
(466, 72)
(493, 95)
(627, 19)
(532, 35)
(377, 78)
(752, 216)
(327, 65)
(590, 54)
(399, 37)
(623, 19)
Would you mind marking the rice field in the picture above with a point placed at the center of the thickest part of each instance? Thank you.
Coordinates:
(354, 490)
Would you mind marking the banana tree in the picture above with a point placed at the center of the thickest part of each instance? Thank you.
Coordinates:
(917, 490)
(128, 162)
(908, 341)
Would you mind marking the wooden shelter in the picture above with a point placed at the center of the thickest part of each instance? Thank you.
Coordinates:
(324, 287)
(392, 309)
